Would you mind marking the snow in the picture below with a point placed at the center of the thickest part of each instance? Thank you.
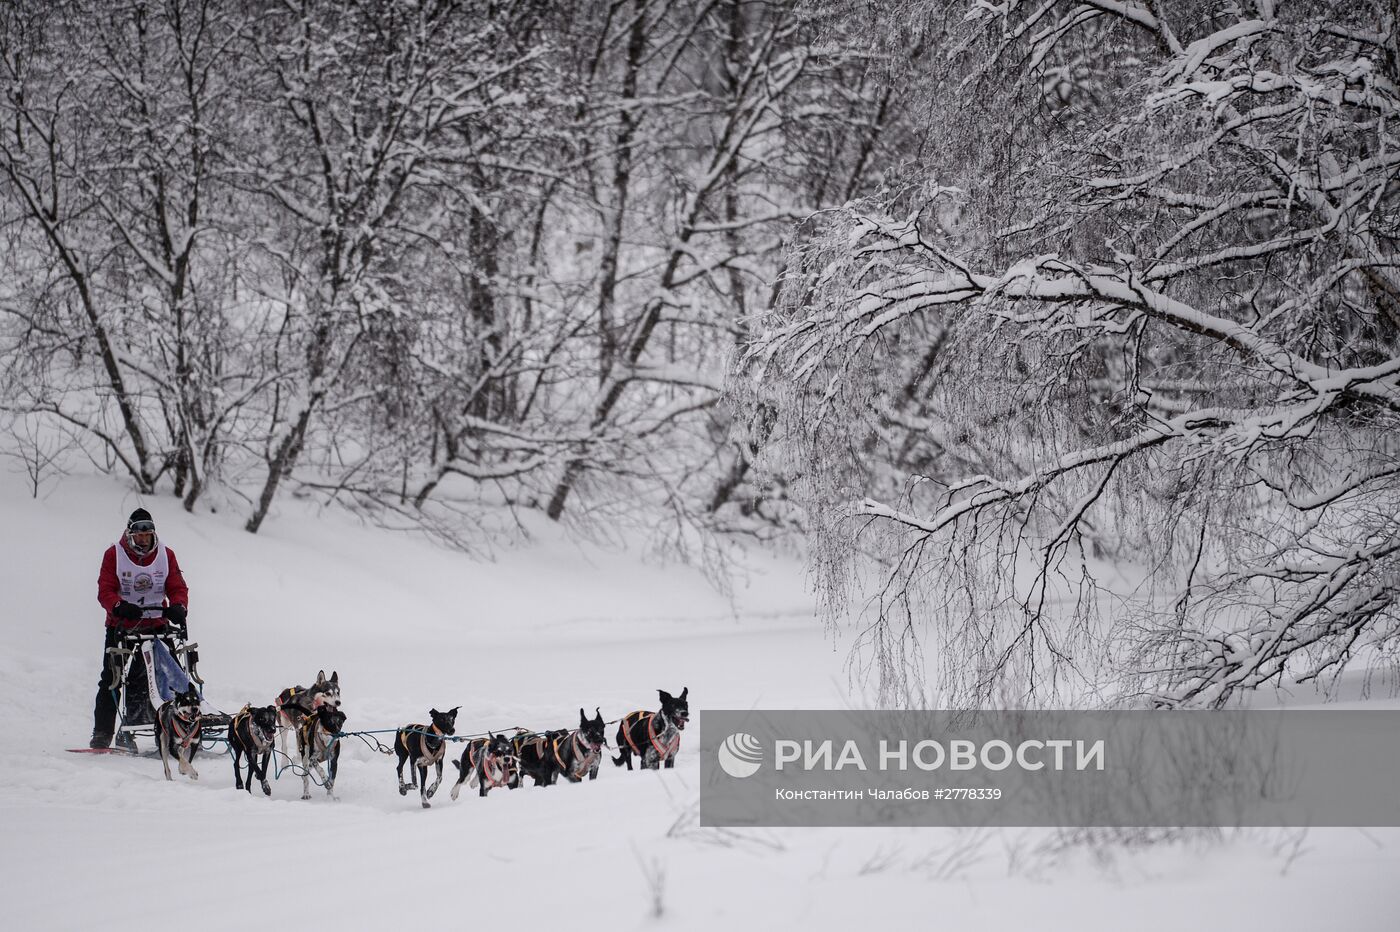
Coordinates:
(105, 842)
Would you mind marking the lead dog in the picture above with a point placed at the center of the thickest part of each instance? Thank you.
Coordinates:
(252, 732)
(580, 751)
(654, 737)
(421, 745)
(296, 702)
(318, 743)
(489, 762)
(177, 728)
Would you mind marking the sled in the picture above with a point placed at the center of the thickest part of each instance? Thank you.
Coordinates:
(144, 670)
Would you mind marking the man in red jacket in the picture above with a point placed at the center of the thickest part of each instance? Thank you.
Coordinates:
(142, 589)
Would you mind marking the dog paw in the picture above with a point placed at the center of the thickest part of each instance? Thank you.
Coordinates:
(305, 795)
(267, 790)
(427, 805)
(403, 790)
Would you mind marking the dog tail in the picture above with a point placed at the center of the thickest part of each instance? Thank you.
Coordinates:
(621, 759)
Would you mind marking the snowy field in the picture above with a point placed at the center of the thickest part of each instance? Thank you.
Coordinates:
(105, 842)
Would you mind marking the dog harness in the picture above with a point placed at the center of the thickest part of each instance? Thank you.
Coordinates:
(310, 734)
(304, 700)
(584, 755)
(533, 742)
(261, 742)
(666, 750)
(502, 770)
(188, 735)
(425, 753)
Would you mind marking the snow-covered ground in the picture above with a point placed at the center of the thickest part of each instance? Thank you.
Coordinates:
(105, 842)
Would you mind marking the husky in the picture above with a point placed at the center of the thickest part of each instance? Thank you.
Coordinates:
(422, 745)
(534, 754)
(178, 724)
(654, 737)
(579, 752)
(296, 702)
(318, 743)
(488, 762)
(251, 732)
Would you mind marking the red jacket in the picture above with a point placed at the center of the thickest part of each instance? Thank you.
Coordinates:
(109, 591)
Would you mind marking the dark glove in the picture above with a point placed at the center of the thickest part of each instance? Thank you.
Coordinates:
(175, 613)
(127, 611)
(177, 627)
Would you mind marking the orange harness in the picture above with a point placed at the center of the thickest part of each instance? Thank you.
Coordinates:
(664, 750)
(425, 754)
(583, 755)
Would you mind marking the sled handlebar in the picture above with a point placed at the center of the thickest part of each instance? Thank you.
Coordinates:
(165, 630)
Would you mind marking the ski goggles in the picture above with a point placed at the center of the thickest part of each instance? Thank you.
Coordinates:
(142, 527)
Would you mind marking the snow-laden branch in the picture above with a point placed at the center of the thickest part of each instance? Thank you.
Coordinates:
(1156, 336)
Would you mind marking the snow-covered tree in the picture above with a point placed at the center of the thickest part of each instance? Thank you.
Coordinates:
(702, 120)
(363, 132)
(426, 258)
(112, 115)
(1110, 393)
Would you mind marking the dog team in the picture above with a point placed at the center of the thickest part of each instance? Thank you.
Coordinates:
(314, 716)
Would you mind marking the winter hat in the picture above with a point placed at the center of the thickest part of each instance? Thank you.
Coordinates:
(139, 514)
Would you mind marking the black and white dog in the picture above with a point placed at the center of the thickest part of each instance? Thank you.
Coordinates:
(654, 737)
(252, 732)
(489, 762)
(318, 743)
(422, 745)
(579, 752)
(296, 702)
(534, 753)
(177, 730)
